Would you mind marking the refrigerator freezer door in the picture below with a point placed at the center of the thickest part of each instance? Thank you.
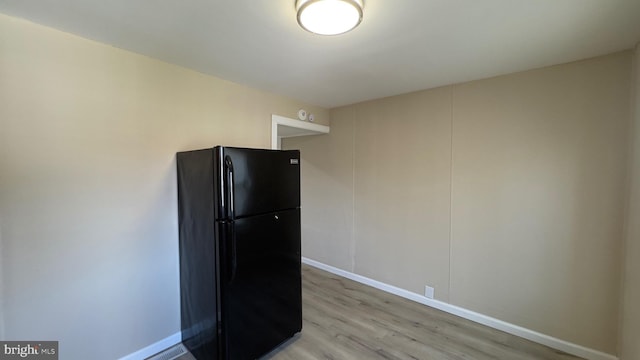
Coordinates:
(262, 293)
(263, 180)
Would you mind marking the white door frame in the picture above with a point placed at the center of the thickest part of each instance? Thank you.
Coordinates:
(283, 127)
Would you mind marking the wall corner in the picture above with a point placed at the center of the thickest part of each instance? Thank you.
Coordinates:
(630, 313)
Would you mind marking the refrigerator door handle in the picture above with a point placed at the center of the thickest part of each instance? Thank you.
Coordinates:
(234, 261)
(230, 192)
(232, 216)
(234, 257)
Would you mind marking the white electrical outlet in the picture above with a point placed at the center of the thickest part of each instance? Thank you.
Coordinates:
(428, 292)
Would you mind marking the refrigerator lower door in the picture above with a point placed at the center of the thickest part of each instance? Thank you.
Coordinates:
(262, 300)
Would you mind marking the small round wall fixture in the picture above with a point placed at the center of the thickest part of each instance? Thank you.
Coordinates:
(329, 17)
(302, 114)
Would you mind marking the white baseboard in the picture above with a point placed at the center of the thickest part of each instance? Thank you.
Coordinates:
(154, 348)
(534, 336)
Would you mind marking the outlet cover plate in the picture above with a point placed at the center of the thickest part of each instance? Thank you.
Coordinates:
(429, 291)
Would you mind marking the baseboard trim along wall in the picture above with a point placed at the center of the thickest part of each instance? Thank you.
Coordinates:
(534, 336)
(154, 348)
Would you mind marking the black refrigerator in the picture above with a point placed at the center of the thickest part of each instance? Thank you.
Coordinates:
(239, 235)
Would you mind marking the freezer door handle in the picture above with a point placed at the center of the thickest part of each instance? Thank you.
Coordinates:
(231, 216)
(228, 164)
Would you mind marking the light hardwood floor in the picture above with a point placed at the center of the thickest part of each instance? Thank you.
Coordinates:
(347, 320)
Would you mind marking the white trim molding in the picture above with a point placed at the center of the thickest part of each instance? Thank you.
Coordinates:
(154, 348)
(555, 343)
(494, 323)
(282, 127)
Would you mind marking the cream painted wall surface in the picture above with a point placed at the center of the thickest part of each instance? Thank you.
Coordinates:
(527, 171)
(631, 309)
(539, 171)
(402, 176)
(327, 192)
(88, 218)
(2, 295)
(401, 181)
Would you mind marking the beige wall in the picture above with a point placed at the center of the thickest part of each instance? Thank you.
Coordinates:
(2, 294)
(631, 310)
(539, 169)
(327, 192)
(88, 221)
(401, 186)
(506, 194)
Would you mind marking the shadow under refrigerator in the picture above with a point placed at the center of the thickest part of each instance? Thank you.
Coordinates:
(240, 265)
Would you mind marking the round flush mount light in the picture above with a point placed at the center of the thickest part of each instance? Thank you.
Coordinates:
(329, 17)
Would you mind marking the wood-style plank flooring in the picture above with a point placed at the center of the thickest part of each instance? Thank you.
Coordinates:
(347, 320)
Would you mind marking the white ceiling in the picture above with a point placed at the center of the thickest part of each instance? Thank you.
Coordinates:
(401, 45)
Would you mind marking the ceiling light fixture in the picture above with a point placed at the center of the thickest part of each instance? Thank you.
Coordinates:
(329, 17)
